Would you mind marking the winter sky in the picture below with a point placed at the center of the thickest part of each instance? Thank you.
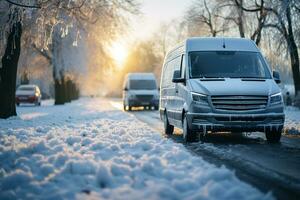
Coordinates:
(155, 12)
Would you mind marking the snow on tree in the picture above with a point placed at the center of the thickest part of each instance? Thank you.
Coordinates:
(51, 19)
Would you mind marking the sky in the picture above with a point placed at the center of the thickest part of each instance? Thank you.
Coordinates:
(155, 12)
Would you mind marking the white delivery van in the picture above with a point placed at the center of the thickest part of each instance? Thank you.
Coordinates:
(140, 89)
(220, 84)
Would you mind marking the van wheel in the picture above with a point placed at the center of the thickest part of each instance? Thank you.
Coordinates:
(168, 127)
(129, 108)
(273, 136)
(188, 134)
(124, 107)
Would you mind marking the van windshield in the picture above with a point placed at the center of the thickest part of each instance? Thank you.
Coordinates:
(142, 85)
(227, 64)
(26, 88)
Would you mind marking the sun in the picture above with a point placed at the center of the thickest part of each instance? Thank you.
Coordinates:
(119, 53)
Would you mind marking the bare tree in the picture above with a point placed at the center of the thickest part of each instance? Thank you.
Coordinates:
(48, 14)
(9, 63)
(281, 19)
(260, 13)
(204, 14)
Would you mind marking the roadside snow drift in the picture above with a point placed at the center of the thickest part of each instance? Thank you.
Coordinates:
(89, 150)
(292, 119)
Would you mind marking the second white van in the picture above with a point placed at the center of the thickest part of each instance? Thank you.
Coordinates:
(140, 89)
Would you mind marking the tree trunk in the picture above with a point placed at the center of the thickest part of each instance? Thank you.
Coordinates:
(293, 50)
(240, 19)
(8, 72)
(68, 90)
(294, 56)
(60, 90)
(24, 78)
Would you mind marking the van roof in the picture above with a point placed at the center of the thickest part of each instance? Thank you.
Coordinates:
(220, 44)
(213, 44)
(141, 76)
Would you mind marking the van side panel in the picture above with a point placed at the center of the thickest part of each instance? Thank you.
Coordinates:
(167, 91)
(170, 101)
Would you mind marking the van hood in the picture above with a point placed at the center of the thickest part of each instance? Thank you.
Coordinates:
(234, 86)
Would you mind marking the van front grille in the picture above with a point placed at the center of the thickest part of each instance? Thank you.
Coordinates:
(144, 97)
(239, 103)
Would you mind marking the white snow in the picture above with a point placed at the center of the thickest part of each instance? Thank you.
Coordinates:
(89, 150)
(292, 120)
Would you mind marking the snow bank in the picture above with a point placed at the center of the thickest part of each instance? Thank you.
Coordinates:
(88, 150)
(292, 121)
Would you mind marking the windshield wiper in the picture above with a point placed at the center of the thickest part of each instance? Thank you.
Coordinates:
(212, 78)
(250, 77)
(203, 77)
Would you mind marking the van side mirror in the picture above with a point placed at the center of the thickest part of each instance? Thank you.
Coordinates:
(177, 77)
(276, 77)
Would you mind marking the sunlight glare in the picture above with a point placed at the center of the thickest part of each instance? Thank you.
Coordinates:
(119, 53)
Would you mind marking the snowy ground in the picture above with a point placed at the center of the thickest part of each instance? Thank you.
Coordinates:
(292, 121)
(89, 149)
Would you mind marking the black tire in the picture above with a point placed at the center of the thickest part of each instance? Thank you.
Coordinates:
(273, 136)
(188, 134)
(124, 107)
(169, 129)
(129, 108)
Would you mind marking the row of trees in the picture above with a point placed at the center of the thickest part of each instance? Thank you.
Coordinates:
(57, 30)
(273, 21)
(272, 24)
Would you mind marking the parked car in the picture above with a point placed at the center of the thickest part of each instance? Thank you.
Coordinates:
(140, 89)
(28, 94)
(220, 84)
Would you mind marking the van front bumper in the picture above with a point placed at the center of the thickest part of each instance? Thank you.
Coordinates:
(136, 102)
(235, 122)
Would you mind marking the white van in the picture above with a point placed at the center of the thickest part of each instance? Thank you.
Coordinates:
(140, 89)
(220, 84)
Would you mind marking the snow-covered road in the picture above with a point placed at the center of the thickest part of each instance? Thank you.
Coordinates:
(267, 167)
(90, 149)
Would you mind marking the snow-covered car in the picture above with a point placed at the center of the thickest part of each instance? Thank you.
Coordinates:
(220, 84)
(28, 94)
(140, 89)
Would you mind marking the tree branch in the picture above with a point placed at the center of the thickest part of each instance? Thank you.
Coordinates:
(23, 5)
(247, 9)
(43, 53)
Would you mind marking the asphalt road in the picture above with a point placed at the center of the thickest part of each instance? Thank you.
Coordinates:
(269, 167)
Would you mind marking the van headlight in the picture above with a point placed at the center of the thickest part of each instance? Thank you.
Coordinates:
(276, 98)
(200, 98)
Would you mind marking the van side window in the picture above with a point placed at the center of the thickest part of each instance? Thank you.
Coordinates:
(177, 63)
(168, 71)
(167, 75)
(183, 66)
